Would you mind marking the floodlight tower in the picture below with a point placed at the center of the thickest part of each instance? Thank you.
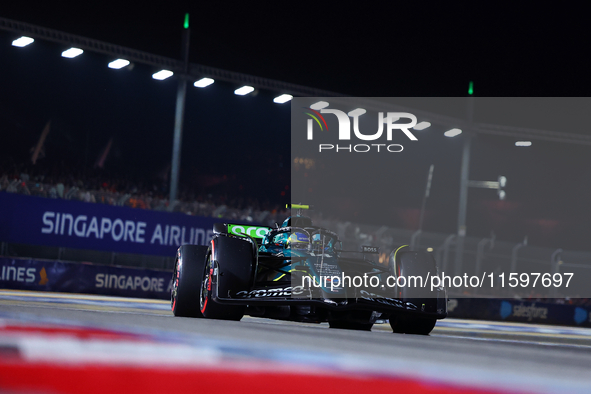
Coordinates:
(179, 116)
(464, 179)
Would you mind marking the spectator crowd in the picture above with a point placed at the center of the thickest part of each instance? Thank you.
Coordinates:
(93, 186)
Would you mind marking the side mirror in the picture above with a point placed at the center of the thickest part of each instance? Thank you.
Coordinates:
(220, 228)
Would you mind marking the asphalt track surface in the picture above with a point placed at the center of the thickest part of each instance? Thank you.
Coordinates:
(500, 357)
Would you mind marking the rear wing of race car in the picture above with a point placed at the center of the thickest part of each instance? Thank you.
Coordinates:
(242, 230)
(299, 207)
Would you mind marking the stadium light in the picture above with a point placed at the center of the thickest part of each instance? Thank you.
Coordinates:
(244, 90)
(357, 112)
(119, 63)
(284, 98)
(452, 133)
(162, 75)
(72, 53)
(22, 41)
(319, 105)
(203, 82)
(422, 126)
(523, 143)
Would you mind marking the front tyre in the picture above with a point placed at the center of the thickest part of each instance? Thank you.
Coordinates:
(209, 308)
(186, 280)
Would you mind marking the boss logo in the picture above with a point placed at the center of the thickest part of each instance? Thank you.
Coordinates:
(370, 249)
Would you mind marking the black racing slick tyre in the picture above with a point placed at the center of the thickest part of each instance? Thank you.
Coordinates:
(208, 307)
(408, 264)
(411, 268)
(186, 280)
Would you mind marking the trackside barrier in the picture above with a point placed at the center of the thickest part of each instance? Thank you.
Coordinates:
(520, 311)
(59, 276)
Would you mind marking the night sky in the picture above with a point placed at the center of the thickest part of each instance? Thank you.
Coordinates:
(394, 49)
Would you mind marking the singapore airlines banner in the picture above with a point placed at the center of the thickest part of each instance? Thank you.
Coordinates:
(75, 224)
(61, 276)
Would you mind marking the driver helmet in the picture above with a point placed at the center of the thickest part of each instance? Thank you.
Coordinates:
(297, 240)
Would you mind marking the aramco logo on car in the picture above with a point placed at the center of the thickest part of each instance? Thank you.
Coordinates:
(390, 119)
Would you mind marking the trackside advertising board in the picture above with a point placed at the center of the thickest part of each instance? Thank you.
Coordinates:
(59, 276)
(75, 224)
(523, 311)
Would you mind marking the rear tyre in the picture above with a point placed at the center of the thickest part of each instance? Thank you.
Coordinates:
(412, 325)
(207, 306)
(349, 325)
(186, 280)
(407, 264)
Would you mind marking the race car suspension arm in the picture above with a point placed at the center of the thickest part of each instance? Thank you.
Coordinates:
(284, 265)
(276, 269)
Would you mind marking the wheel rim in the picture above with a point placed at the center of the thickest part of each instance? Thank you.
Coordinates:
(175, 284)
(204, 285)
